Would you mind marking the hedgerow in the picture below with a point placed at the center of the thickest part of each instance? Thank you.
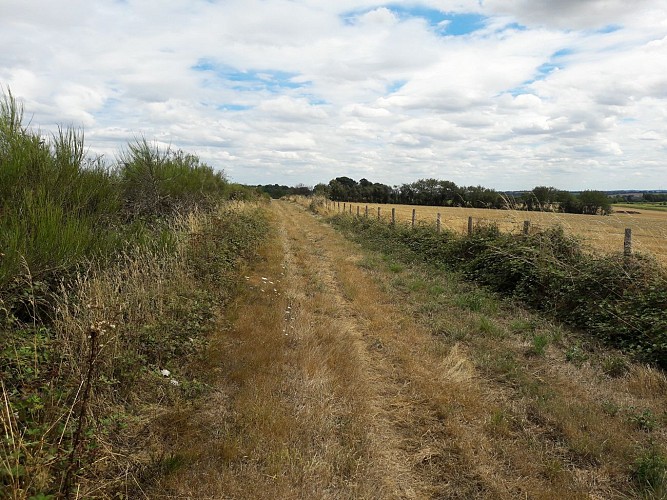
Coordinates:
(619, 299)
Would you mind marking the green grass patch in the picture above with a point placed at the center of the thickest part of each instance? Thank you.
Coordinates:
(657, 206)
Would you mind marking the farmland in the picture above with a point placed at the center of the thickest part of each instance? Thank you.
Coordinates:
(602, 233)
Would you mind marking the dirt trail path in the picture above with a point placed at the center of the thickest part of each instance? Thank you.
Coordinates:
(326, 389)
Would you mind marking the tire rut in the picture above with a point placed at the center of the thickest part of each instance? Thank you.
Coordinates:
(406, 436)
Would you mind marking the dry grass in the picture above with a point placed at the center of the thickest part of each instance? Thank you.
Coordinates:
(604, 233)
(344, 374)
(537, 423)
(147, 312)
(288, 418)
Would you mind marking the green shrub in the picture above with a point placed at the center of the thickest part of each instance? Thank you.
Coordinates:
(56, 206)
(650, 472)
(619, 299)
(157, 182)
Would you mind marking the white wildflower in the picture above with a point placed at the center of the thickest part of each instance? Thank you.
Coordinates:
(165, 373)
(173, 381)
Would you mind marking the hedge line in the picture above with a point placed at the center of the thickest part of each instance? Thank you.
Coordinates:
(621, 300)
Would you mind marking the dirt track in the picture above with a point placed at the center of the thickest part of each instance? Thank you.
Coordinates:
(328, 389)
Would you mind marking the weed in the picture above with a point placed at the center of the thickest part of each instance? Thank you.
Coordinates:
(650, 471)
(417, 284)
(556, 333)
(501, 365)
(615, 366)
(368, 262)
(487, 327)
(611, 408)
(576, 355)
(522, 326)
(645, 420)
(395, 267)
(539, 345)
(553, 468)
(471, 300)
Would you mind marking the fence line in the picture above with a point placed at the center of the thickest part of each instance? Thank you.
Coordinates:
(627, 242)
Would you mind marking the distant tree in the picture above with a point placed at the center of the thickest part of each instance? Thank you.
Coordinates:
(301, 189)
(343, 189)
(381, 193)
(654, 197)
(568, 203)
(274, 190)
(541, 198)
(593, 202)
(321, 190)
(481, 197)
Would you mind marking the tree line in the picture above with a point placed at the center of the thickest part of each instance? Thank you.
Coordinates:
(436, 192)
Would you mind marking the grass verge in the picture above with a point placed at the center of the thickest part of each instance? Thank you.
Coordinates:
(621, 300)
(556, 411)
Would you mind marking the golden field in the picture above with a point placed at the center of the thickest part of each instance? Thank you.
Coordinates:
(600, 232)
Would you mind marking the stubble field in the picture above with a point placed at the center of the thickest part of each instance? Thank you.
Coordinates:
(599, 232)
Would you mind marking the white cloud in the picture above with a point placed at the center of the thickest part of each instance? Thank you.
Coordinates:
(302, 91)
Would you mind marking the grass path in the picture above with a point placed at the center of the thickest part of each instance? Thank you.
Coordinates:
(342, 375)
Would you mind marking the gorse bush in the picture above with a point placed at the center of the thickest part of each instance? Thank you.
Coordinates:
(56, 206)
(60, 209)
(107, 275)
(159, 181)
(619, 299)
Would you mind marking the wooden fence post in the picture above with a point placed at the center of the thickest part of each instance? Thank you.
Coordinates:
(357, 210)
(344, 208)
(378, 213)
(350, 207)
(526, 227)
(414, 212)
(366, 213)
(469, 226)
(393, 216)
(627, 243)
(437, 223)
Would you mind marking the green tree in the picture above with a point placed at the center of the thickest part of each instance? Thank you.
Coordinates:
(593, 202)
(541, 198)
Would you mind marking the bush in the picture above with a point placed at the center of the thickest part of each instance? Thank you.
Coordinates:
(621, 300)
(650, 472)
(106, 275)
(56, 206)
(157, 182)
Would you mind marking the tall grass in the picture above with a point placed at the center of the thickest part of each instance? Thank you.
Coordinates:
(56, 205)
(108, 274)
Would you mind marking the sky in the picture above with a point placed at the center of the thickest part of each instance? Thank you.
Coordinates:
(507, 94)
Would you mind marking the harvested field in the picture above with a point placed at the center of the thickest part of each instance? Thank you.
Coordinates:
(600, 232)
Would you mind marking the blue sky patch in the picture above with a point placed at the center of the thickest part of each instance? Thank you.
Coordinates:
(611, 28)
(250, 80)
(233, 107)
(445, 23)
(394, 86)
(555, 62)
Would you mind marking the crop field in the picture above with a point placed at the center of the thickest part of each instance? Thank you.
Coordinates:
(659, 206)
(600, 232)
